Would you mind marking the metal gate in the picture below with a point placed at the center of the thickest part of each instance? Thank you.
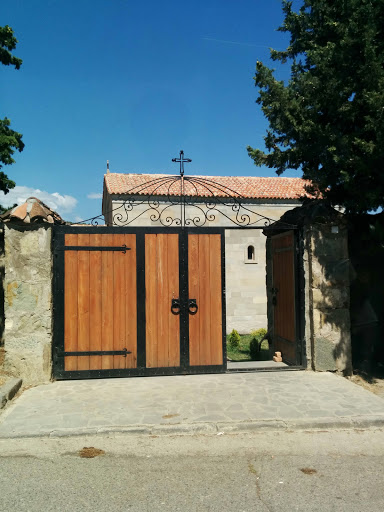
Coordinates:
(138, 301)
(285, 297)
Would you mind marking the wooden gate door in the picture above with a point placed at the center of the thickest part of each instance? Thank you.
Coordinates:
(98, 330)
(284, 296)
(205, 300)
(138, 302)
(161, 288)
(184, 302)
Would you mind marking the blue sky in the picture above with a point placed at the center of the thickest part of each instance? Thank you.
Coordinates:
(133, 83)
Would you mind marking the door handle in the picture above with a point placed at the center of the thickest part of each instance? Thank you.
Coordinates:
(192, 307)
(175, 306)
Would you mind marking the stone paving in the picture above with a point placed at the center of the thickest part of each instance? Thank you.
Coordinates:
(192, 404)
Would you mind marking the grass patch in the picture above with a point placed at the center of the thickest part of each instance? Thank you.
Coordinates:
(241, 353)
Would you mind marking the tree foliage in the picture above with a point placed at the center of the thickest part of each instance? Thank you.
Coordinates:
(328, 119)
(10, 140)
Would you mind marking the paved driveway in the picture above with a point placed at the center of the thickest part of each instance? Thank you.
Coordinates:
(192, 403)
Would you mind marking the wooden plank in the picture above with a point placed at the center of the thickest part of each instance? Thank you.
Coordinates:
(205, 300)
(130, 301)
(161, 285)
(162, 294)
(194, 293)
(216, 317)
(83, 302)
(150, 299)
(95, 293)
(119, 299)
(173, 293)
(107, 301)
(205, 285)
(70, 304)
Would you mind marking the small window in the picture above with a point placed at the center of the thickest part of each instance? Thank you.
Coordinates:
(250, 255)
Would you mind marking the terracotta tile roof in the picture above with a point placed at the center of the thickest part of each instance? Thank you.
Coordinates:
(32, 211)
(220, 186)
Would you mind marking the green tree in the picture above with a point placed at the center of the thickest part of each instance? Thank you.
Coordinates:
(328, 119)
(10, 141)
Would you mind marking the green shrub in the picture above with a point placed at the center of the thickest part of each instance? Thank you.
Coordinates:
(258, 333)
(234, 339)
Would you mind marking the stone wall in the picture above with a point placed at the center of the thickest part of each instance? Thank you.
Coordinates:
(2, 273)
(28, 302)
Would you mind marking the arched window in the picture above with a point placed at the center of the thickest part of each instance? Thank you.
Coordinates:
(251, 253)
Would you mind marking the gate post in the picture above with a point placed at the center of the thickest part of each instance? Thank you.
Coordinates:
(27, 259)
(323, 271)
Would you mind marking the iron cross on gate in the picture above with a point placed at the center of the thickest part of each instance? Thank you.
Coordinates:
(181, 159)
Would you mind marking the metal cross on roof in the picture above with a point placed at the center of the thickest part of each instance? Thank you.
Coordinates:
(181, 159)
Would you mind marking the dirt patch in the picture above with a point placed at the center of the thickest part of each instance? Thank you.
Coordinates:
(308, 471)
(89, 452)
(373, 382)
(168, 416)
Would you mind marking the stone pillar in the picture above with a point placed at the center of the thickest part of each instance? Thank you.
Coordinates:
(28, 302)
(327, 291)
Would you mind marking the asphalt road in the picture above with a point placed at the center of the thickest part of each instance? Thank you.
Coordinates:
(287, 471)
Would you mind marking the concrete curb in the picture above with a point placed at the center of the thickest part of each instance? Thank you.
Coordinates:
(220, 428)
(9, 390)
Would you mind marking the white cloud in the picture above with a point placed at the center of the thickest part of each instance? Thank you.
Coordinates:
(61, 204)
(95, 196)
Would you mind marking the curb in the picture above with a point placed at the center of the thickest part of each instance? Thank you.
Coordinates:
(342, 423)
(9, 390)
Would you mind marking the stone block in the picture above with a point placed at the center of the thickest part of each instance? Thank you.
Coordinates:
(330, 297)
(324, 357)
(332, 273)
(33, 365)
(326, 247)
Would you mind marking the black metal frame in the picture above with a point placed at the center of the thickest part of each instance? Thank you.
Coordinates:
(300, 299)
(141, 370)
